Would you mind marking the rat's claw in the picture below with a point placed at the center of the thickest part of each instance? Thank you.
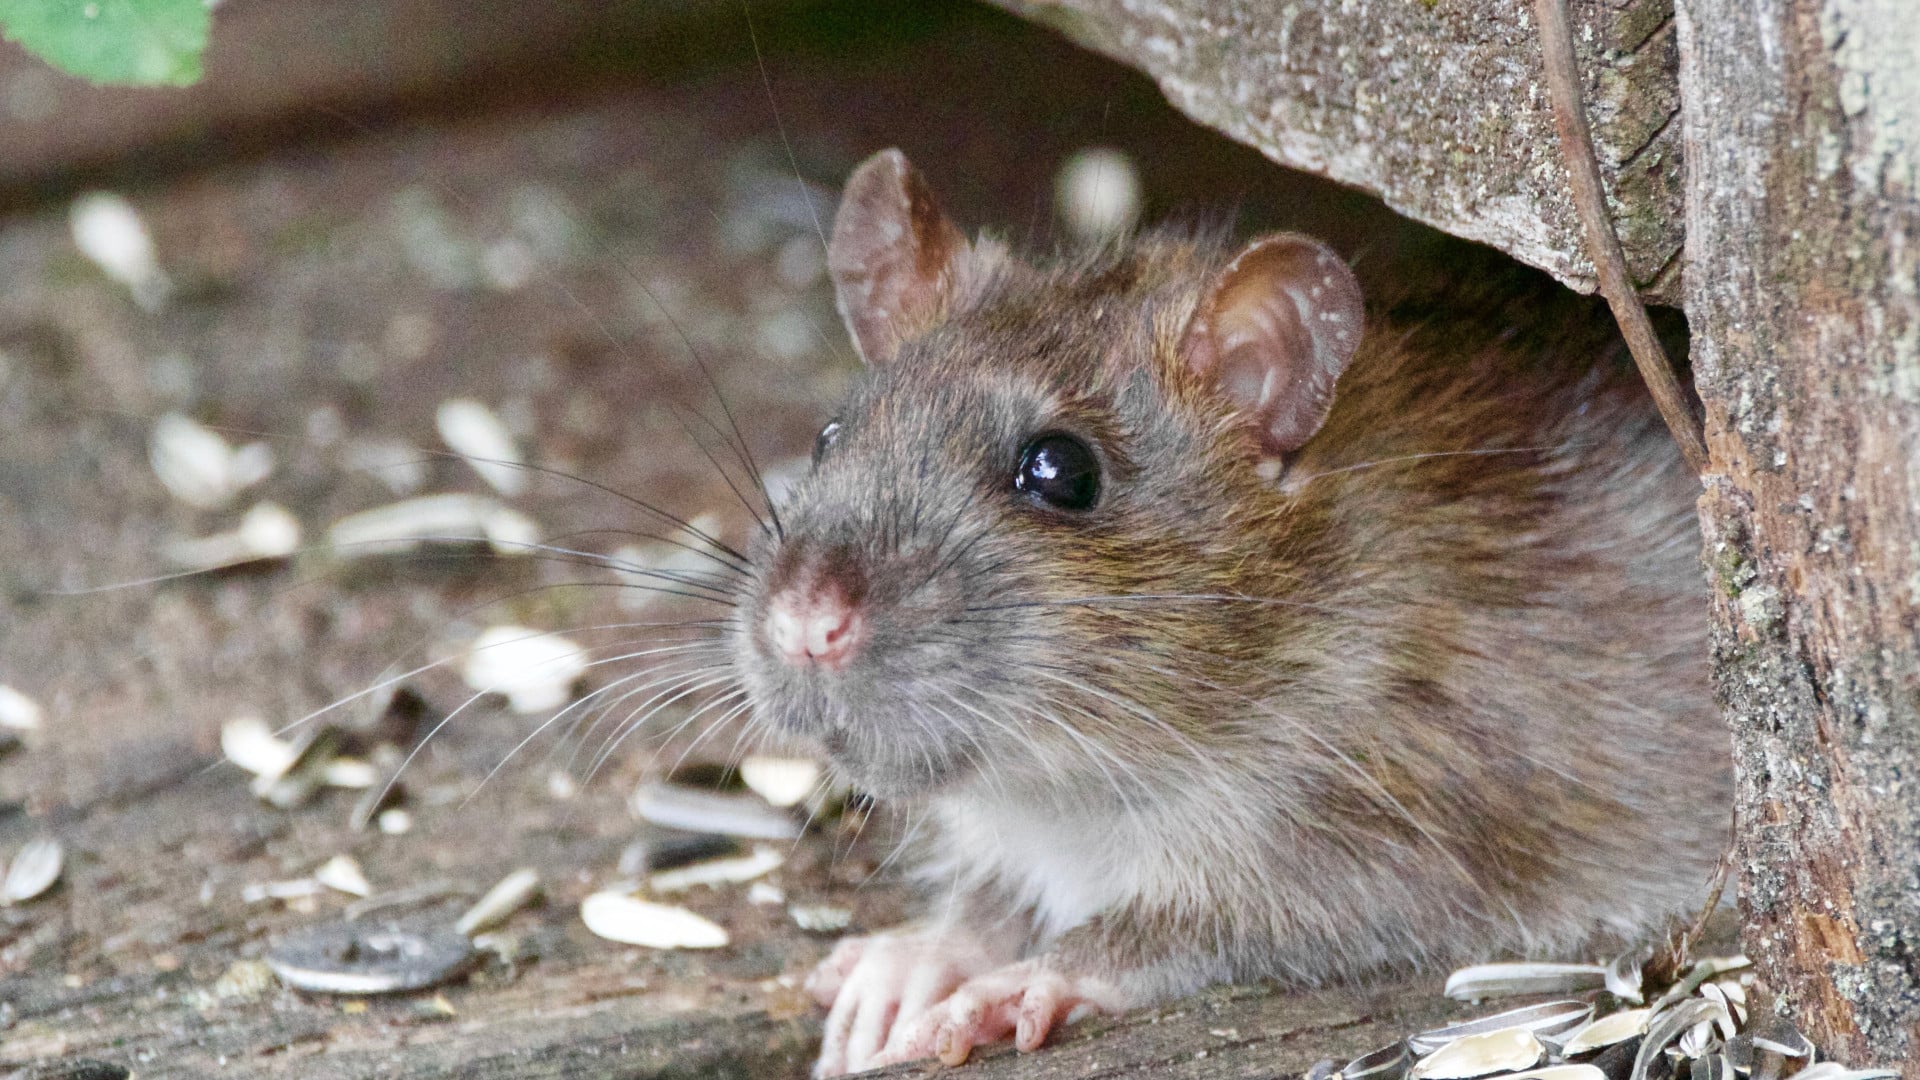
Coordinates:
(1024, 1000)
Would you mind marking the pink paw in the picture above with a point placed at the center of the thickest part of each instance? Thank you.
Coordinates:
(875, 985)
(1025, 1000)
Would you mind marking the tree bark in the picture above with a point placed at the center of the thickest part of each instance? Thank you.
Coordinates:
(1802, 125)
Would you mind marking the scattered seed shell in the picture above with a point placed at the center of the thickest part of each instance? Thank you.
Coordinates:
(370, 958)
(249, 743)
(1549, 1022)
(1624, 977)
(268, 531)
(820, 918)
(1668, 1025)
(734, 871)
(677, 806)
(18, 711)
(514, 892)
(1482, 981)
(343, 873)
(453, 518)
(619, 917)
(1559, 1072)
(351, 773)
(1386, 1063)
(1829, 1070)
(1711, 1067)
(394, 822)
(783, 782)
(35, 868)
(198, 466)
(1781, 1037)
(536, 671)
(475, 433)
(765, 894)
(1608, 1030)
(109, 232)
(305, 775)
(1480, 1055)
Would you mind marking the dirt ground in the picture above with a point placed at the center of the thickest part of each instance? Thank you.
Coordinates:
(562, 258)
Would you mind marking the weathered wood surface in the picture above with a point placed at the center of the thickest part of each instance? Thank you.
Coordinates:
(331, 300)
(1803, 199)
(1440, 108)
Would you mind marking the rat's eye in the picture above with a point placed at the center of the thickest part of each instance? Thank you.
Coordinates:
(825, 439)
(1060, 471)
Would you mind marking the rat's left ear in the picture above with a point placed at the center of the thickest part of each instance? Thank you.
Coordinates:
(1274, 331)
(895, 259)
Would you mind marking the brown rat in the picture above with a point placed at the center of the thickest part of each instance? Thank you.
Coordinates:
(1215, 639)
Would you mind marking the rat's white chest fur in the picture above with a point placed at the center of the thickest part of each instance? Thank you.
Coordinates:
(1065, 866)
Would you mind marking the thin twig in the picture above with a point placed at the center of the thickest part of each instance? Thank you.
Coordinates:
(1603, 245)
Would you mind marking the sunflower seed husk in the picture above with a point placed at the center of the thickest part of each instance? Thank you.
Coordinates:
(1548, 1022)
(536, 671)
(249, 743)
(199, 467)
(394, 822)
(1711, 967)
(1322, 1070)
(305, 774)
(448, 518)
(766, 894)
(1781, 1037)
(632, 921)
(1624, 978)
(352, 773)
(734, 871)
(109, 231)
(342, 873)
(672, 848)
(1831, 1070)
(1614, 1028)
(475, 433)
(1711, 1067)
(18, 711)
(1482, 981)
(783, 782)
(820, 918)
(1481, 1055)
(1667, 1026)
(1559, 1072)
(375, 802)
(675, 806)
(1713, 991)
(34, 870)
(370, 958)
(1696, 1040)
(514, 892)
(268, 531)
(298, 888)
(1386, 1063)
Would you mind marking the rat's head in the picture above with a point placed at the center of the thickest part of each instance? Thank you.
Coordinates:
(999, 565)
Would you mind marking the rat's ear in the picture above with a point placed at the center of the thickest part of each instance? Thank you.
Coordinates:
(1274, 331)
(895, 258)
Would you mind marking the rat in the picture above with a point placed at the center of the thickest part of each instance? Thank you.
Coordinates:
(1214, 631)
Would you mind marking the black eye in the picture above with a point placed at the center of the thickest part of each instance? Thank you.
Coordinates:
(1059, 470)
(825, 439)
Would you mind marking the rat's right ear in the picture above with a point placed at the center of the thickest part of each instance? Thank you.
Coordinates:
(1274, 332)
(895, 258)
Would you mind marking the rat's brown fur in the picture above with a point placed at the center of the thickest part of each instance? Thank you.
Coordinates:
(1438, 692)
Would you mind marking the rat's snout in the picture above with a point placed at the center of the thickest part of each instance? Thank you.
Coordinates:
(814, 617)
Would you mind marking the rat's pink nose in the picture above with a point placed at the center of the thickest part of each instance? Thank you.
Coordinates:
(813, 628)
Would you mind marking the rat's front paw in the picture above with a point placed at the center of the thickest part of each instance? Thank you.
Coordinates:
(1024, 1000)
(876, 985)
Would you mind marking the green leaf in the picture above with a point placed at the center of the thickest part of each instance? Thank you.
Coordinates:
(130, 42)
